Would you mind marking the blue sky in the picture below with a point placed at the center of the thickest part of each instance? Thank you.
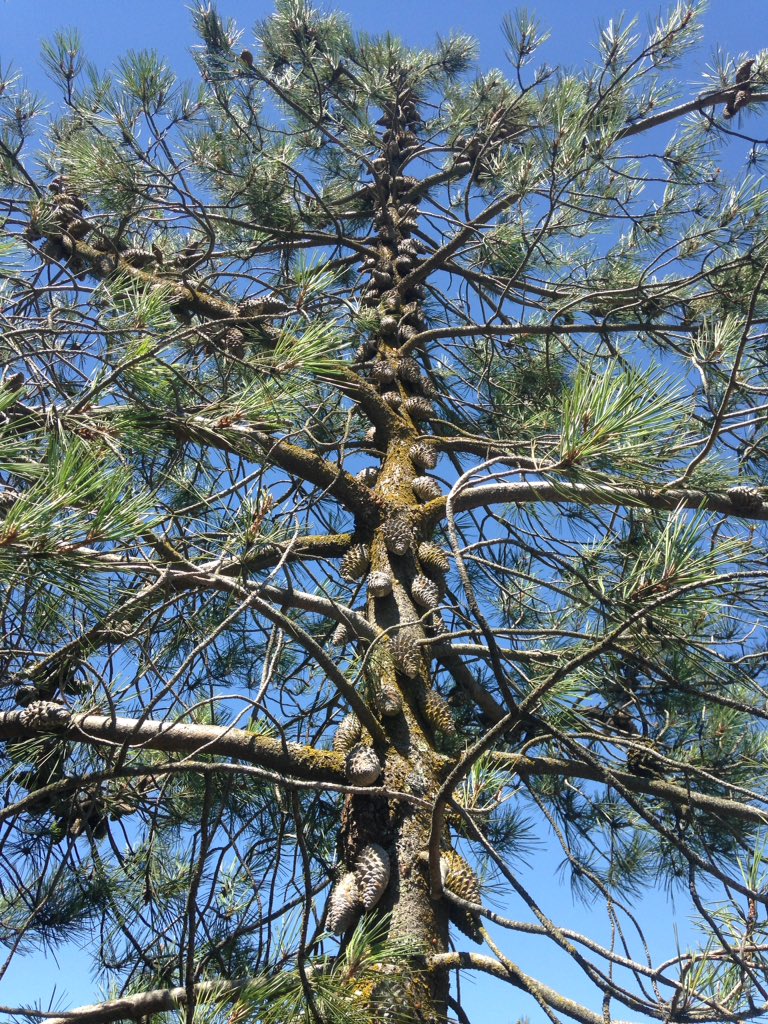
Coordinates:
(108, 29)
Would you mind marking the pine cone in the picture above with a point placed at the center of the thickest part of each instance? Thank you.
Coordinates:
(388, 700)
(415, 291)
(355, 562)
(381, 278)
(406, 652)
(343, 905)
(392, 399)
(398, 534)
(408, 370)
(340, 635)
(363, 767)
(388, 325)
(459, 878)
(423, 455)
(419, 408)
(433, 559)
(25, 695)
(425, 592)
(372, 874)
(744, 72)
(381, 666)
(383, 372)
(138, 258)
(266, 305)
(408, 246)
(437, 712)
(348, 734)
(426, 488)
(379, 584)
(411, 313)
(741, 99)
(392, 1003)
(233, 341)
(747, 498)
(45, 713)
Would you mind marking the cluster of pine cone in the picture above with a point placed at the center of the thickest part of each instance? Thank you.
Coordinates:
(358, 890)
(55, 216)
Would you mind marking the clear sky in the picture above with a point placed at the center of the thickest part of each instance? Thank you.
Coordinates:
(109, 28)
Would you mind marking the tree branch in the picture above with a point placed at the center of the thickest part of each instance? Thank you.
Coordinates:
(711, 99)
(513, 974)
(144, 1004)
(303, 762)
(678, 795)
(565, 492)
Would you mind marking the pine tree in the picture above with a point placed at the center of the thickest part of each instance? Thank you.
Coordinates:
(383, 463)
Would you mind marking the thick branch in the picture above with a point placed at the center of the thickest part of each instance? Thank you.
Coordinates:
(146, 1004)
(240, 438)
(294, 759)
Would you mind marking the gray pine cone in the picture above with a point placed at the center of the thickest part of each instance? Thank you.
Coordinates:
(372, 874)
(433, 558)
(429, 388)
(419, 408)
(437, 712)
(388, 700)
(348, 734)
(340, 635)
(408, 245)
(398, 534)
(408, 370)
(355, 562)
(459, 878)
(138, 258)
(381, 666)
(383, 372)
(747, 498)
(45, 712)
(406, 652)
(379, 584)
(343, 905)
(233, 341)
(411, 314)
(381, 278)
(392, 399)
(425, 592)
(363, 767)
(423, 455)
(426, 488)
